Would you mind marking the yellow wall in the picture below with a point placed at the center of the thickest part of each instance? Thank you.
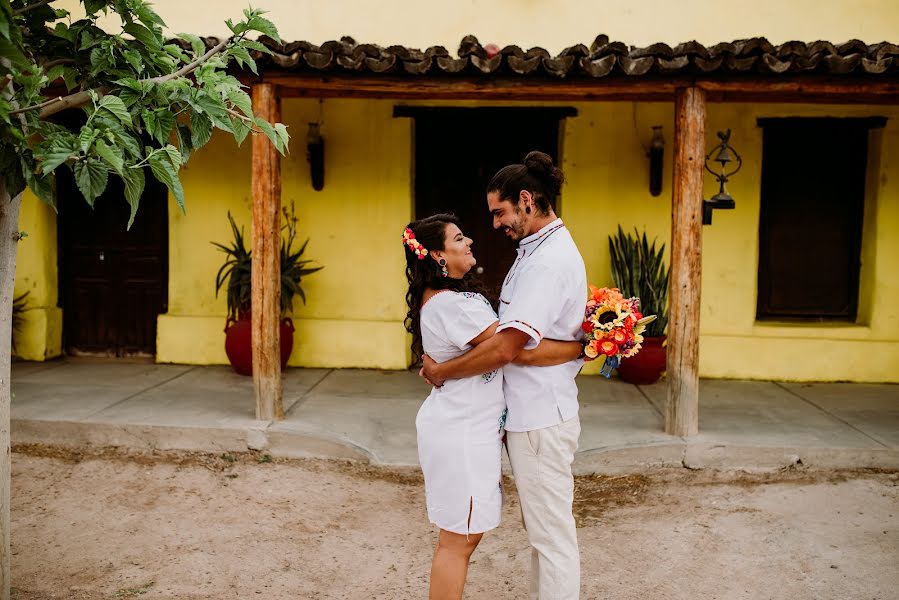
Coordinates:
(553, 24)
(40, 336)
(354, 316)
(607, 175)
(355, 311)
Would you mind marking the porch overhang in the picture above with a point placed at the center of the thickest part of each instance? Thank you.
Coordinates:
(689, 75)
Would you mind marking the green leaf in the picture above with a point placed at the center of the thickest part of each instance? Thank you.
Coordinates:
(241, 130)
(134, 59)
(236, 29)
(91, 176)
(184, 141)
(109, 156)
(201, 129)
(86, 138)
(144, 36)
(254, 45)
(242, 56)
(174, 156)
(55, 72)
(148, 16)
(196, 44)
(165, 121)
(42, 185)
(92, 6)
(215, 108)
(163, 171)
(270, 133)
(117, 107)
(58, 154)
(134, 187)
(263, 25)
(281, 130)
(242, 101)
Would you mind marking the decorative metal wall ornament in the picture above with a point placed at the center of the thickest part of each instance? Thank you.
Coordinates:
(656, 155)
(724, 155)
(315, 154)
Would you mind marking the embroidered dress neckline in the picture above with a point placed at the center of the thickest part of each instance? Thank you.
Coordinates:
(437, 293)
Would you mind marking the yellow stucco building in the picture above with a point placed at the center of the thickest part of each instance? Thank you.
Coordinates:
(373, 171)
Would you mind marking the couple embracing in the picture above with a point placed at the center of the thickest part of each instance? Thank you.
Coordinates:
(500, 377)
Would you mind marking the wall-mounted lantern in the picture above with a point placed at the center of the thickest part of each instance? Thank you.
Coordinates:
(724, 155)
(315, 154)
(656, 160)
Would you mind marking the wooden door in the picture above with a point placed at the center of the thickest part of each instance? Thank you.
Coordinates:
(113, 281)
(457, 152)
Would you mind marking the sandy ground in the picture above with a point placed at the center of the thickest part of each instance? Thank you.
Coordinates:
(90, 526)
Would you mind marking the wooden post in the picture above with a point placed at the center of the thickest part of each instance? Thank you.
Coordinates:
(682, 409)
(266, 282)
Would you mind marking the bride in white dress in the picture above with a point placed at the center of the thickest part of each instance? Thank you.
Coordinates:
(460, 425)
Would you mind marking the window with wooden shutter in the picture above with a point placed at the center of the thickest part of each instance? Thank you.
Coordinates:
(812, 204)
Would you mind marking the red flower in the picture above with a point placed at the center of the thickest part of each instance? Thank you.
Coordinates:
(608, 347)
(587, 327)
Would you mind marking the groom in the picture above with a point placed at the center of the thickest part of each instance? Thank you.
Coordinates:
(542, 296)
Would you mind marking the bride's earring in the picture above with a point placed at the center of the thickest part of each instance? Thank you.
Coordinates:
(443, 271)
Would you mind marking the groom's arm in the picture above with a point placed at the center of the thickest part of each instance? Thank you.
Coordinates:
(498, 351)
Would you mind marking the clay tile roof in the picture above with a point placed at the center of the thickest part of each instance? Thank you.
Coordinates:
(604, 58)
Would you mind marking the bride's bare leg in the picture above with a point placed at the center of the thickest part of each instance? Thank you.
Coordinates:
(450, 565)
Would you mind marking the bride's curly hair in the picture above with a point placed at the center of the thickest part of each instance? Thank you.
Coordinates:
(422, 274)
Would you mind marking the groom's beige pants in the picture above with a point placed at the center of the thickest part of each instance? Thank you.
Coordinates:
(541, 463)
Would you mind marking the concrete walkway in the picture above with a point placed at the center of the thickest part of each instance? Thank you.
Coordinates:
(369, 415)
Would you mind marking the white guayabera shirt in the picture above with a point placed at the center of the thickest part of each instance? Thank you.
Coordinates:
(544, 295)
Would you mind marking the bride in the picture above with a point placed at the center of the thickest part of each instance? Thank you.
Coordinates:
(460, 425)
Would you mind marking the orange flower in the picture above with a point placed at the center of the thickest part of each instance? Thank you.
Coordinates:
(619, 336)
(590, 350)
(608, 347)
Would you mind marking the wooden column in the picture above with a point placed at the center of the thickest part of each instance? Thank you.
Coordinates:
(266, 282)
(682, 409)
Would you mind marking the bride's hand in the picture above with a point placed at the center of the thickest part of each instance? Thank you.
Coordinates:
(428, 371)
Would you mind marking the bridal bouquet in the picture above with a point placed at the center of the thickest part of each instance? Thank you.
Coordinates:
(613, 326)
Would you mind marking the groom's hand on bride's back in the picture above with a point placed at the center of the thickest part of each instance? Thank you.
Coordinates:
(427, 371)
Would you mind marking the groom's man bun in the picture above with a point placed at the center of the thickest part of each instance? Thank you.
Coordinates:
(540, 166)
(536, 174)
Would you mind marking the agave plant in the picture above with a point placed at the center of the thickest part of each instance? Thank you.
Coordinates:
(237, 270)
(638, 269)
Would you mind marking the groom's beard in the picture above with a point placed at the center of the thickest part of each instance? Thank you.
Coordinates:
(516, 231)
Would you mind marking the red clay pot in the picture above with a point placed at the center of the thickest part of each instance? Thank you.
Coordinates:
(647, 366)
(239, 347)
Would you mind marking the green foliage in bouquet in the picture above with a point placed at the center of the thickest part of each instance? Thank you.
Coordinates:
(237, 269)
(638, 269)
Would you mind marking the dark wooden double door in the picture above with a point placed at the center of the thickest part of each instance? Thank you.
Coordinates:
(457, 152)
(113, 281)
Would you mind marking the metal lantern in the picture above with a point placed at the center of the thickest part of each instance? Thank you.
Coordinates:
(315, 154)
(724, 155)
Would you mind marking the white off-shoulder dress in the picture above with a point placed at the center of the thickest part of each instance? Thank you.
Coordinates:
(460, 425)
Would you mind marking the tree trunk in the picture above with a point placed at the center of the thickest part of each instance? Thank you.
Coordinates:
(9, 228)
(266, 270)
(682, 409)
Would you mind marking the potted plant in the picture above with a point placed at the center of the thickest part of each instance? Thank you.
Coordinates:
(237, 273)
(638, 269)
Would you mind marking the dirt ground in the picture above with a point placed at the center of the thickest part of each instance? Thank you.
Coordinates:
(106, 525)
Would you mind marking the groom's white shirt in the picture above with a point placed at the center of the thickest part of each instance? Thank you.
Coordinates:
(544, 295)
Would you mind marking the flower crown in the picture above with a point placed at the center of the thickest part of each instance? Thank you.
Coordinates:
(414, 245)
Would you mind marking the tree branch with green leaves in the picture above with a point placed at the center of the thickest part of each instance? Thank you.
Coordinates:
(144, 102)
